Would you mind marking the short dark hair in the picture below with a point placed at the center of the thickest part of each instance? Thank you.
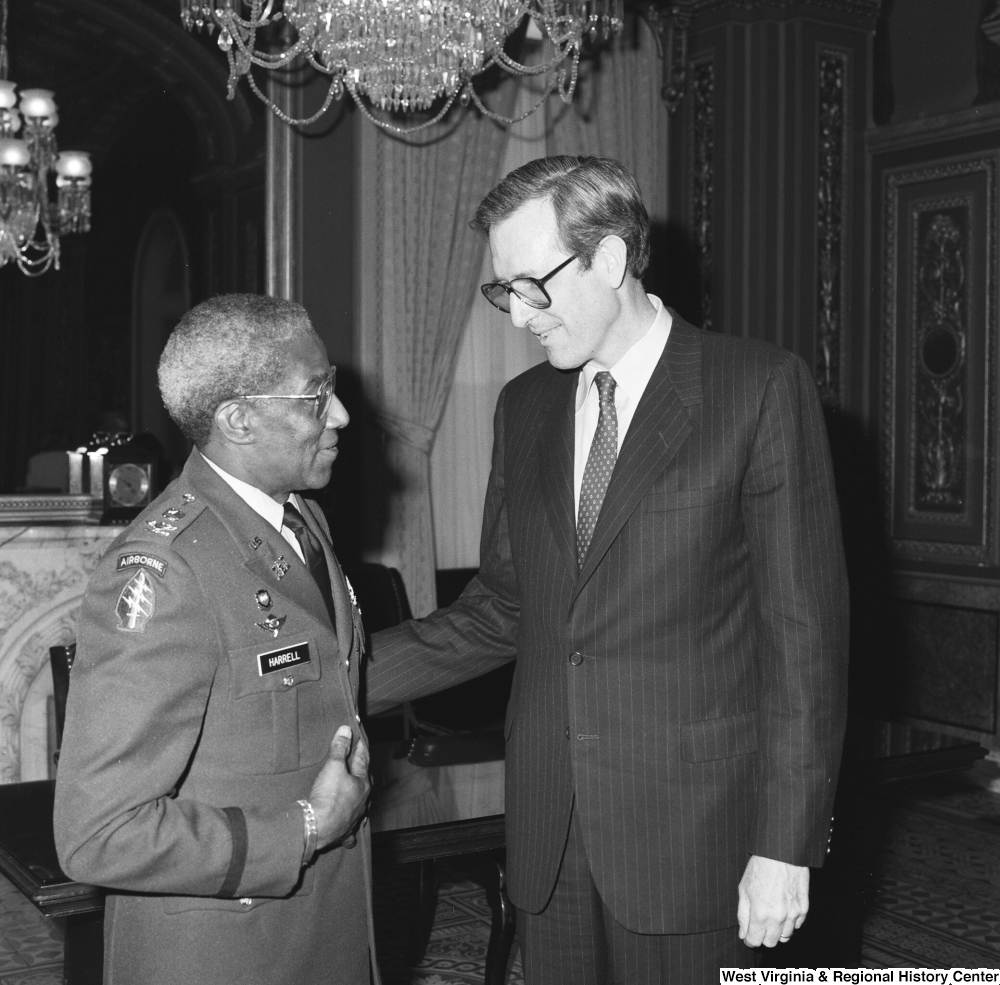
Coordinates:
(226, 346)
(592, 197)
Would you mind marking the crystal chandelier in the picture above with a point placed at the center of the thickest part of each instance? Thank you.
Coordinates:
(31, 224)
(404, 56)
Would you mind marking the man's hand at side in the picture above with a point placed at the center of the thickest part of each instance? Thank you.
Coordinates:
(340, 793)
(774, 900)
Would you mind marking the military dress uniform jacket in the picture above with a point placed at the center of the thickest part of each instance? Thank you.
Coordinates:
(687, 685)
(208, 685)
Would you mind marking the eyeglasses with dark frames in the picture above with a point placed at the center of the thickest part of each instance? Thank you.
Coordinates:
(530, 290)
(322, 397)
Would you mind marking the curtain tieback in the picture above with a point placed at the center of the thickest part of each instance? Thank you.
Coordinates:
(409, 432)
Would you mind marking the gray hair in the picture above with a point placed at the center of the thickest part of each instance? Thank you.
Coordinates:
(592, 197)
(224, 347)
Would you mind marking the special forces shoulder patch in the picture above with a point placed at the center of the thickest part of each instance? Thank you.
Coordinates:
(136, 603)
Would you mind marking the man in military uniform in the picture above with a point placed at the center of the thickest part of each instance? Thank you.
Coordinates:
(214, 772)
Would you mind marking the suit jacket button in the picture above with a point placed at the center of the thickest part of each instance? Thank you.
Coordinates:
(576, 658)
(567, 731)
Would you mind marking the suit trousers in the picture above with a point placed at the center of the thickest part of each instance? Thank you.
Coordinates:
(575, 940)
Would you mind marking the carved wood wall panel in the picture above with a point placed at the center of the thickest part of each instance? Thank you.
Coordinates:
(939, 358)
(703, 176)
(831, 164)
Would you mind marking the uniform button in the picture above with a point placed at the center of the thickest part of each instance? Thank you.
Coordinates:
(576, 658)
(246, 901)
(358, 717)
(347, 664)
(567, 731)
(288, 681)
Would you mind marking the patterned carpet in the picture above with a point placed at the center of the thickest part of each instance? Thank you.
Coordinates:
(932, 894)
(929, 897)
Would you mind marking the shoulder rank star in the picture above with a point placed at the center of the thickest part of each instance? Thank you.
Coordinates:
(161, 527)
(263, 598)
(280, 567)
(271, 624)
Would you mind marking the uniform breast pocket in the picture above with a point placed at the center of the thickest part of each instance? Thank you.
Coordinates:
(275, 714)
(665, 500)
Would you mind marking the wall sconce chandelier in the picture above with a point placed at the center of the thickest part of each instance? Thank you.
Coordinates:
(30, 223)
(404, 56)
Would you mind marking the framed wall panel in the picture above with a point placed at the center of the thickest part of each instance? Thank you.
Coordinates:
(939, 291)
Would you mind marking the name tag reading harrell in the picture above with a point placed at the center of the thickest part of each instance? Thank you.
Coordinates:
(287, 656)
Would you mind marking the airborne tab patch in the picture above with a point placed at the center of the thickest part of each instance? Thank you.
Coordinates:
(136, 604)
(150, 561)
(287, 656)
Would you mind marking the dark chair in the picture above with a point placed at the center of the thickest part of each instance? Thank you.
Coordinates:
(382, 598)
(61, 660)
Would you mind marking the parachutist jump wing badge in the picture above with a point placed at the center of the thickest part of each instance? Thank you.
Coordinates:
(272, 624)
(280, 567)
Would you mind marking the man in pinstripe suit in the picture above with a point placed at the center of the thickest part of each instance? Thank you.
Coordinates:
(661, 552)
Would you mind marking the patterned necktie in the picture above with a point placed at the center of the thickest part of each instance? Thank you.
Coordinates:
(313, 553)
(600, 465)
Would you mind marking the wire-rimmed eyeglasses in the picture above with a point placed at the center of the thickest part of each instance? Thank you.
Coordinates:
(322, 397)
(530, 290)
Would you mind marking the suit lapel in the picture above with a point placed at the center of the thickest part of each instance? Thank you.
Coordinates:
(659, 427)
(555, 465)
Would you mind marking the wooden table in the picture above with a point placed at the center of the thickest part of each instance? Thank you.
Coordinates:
(28, 859)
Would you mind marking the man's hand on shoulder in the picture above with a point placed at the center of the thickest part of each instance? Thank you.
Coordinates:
(340, 792)
(774, 900)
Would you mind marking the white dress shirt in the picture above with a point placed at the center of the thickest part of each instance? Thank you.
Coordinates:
(262, 504)
(631, 374)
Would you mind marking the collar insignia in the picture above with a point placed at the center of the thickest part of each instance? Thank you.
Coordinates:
(161, 527)
(173, 514)
(280, 567)
(188, 498)
(263, 597)
(256, 543)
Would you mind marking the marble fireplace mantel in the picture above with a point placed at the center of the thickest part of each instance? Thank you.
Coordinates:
(43, 573)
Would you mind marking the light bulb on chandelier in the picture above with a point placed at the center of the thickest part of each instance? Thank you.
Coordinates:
(30, 222)
(404, 56)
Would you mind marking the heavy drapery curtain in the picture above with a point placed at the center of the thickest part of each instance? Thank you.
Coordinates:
(618, 112)
(492, 352)
(418, 277)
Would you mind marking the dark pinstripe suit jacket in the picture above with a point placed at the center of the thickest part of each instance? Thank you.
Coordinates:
(688, 685)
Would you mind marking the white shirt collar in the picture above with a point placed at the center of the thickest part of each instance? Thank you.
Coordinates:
(255, 498)
(633, 370)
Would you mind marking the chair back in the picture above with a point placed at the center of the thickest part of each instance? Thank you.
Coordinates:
(61, 660)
